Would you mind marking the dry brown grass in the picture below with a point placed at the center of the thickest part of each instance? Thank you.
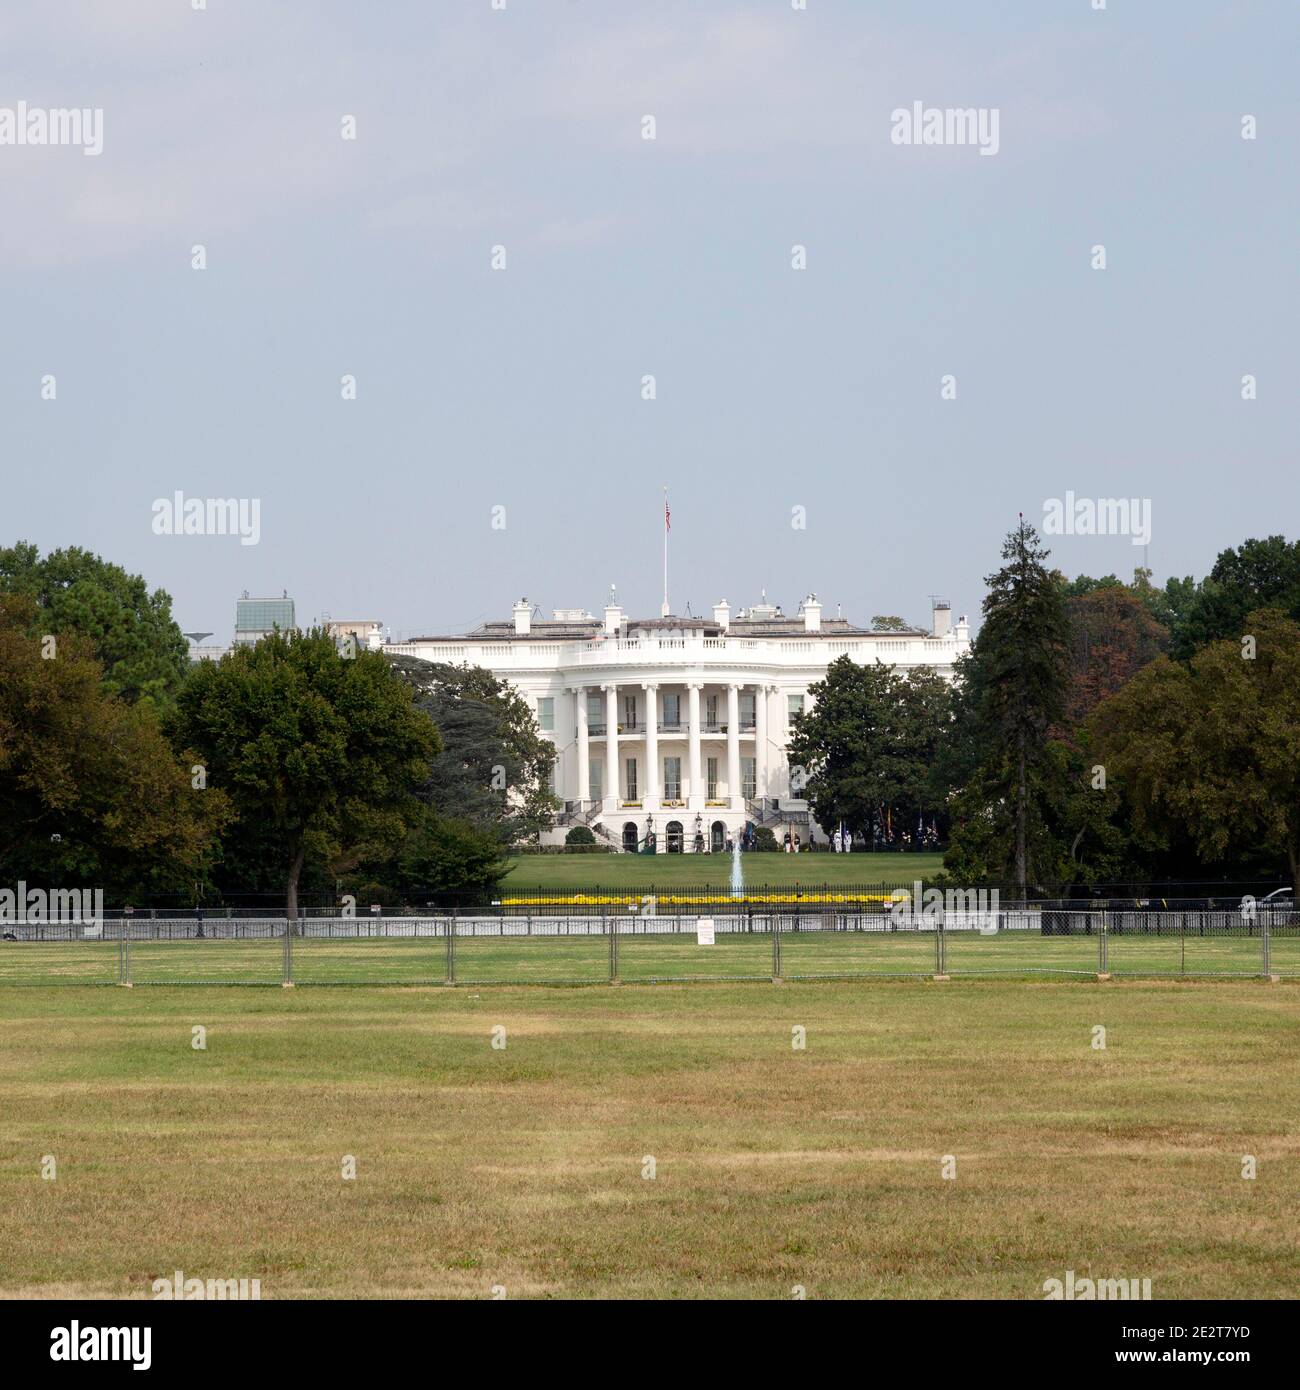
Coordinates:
(775, 1168)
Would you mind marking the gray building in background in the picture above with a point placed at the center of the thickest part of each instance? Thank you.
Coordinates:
(256, 618)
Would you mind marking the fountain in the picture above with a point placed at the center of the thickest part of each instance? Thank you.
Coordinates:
(737, 873)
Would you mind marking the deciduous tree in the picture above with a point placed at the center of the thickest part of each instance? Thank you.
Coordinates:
(320, 753)
(1211, 750)
(91, 795)
(130, 630)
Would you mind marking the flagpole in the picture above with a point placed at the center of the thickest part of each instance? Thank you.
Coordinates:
(664, 610)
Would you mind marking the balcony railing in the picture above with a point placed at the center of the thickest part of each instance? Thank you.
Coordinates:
(596, 728)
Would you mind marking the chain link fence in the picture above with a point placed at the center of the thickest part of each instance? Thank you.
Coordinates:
(611, 944)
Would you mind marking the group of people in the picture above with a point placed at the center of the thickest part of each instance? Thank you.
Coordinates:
(926, 837)
(883, 838)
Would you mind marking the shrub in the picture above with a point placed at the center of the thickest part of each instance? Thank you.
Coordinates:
(580, 835)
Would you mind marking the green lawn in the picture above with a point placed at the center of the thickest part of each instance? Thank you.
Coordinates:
(644, 958)
(582, 871)
(775, 1169)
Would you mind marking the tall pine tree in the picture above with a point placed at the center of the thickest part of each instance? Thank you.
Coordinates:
(1022, 659)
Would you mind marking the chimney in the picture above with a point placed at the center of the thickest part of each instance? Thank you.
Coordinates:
(812, 614)
(523, 618)
(942, 619)
(613, 618)
(722, 614)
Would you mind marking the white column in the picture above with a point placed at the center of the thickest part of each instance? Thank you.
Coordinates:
(584, 746)
(611, 743)
(733, 748)
(789, 729)
(651, 777)
(760, 741)
(695, 799)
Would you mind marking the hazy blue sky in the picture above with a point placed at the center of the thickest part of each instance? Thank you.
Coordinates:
(521, 388)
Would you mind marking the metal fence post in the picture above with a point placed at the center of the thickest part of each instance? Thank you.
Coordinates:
(613, 950)
(124, 956)
(286, 981)
(1103, 962)
(776, 948)
(1265, 963)
(451, 947)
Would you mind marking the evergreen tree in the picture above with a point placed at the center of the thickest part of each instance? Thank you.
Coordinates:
(1021, 656)
(493, 768)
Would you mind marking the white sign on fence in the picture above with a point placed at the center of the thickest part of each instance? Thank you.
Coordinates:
(704, 931)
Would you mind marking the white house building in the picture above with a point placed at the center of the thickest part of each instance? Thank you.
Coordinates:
(679, 726)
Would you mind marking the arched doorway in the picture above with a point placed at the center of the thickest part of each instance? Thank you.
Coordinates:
(717, 837)
(674, 837)
(629, 837)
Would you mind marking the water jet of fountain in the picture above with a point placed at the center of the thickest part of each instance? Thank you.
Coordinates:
(737, 873)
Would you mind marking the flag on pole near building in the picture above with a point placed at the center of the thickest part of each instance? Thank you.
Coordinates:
(668, 526)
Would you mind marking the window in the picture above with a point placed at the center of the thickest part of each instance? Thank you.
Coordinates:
(596, 778)
(672, 779)
(746, 709)
(711, 711)
(712, 774)
(595, 707)
(629, 711)
(550, 780)
(546, 713)
(672, 712)
(631, 779)
(793, 706)
(748, 778)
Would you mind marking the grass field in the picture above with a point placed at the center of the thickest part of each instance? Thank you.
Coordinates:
(577, 872)
(522, 1167)
(587, 960)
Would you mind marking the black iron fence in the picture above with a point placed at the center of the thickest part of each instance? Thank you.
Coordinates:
(609, 944)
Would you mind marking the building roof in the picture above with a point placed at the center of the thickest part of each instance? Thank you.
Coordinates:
(772, 623)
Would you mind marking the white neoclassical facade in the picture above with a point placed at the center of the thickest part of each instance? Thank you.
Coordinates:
(678, 727)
